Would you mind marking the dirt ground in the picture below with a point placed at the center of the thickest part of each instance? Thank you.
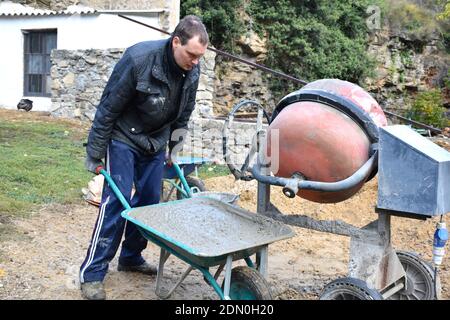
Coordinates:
(43, 260)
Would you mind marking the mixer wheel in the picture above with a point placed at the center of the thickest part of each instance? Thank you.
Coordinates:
(349, 289)
(419, 279)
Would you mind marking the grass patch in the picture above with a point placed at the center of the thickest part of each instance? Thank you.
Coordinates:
(212, 170)
(41, 163)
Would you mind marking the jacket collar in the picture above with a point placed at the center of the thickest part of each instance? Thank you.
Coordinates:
(169, 61)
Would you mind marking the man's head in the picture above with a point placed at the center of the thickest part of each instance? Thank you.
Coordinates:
(189, 42)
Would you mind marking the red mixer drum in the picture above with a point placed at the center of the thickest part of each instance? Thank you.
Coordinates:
(325, 132)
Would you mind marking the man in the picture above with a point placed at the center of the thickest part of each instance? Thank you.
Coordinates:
(150, 94)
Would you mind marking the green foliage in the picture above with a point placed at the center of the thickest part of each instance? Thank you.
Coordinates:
(212, 170)
(41, 163)
(428, 108)
(220, 18)
(310, 39)
(445, 14)
(418, 21)
(421, 22)
(315, 39)
(406, 58)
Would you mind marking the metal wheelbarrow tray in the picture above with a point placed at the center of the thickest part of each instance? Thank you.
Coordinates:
(206, 232)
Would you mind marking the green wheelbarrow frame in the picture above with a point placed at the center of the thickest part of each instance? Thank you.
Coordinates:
(179, 182)
(186, 190)
(170, 246)
(175, 174)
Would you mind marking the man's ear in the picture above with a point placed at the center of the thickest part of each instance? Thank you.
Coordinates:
(176, 42)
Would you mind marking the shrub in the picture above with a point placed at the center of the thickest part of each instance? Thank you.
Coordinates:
(428, 108)
(310, 39)
(315, 39)
(220, 18)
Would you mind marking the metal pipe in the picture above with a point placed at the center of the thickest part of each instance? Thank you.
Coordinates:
(421, 125)
(360, 175)
(278, 73)
(228, 55)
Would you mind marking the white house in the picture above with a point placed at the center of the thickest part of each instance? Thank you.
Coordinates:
(27, 36)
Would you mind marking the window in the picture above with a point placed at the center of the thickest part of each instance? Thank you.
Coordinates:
(37, 47)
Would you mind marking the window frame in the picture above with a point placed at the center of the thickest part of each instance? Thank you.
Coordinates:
(44, 35)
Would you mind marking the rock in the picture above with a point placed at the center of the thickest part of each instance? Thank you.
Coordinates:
(69, 79)
(63, 64)
(90, 60)
(253, 45)
(77, 113)
(204, 95)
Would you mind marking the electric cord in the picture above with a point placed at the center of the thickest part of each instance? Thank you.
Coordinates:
(436, 271)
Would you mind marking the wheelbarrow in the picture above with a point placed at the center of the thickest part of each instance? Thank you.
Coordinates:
(205, 232)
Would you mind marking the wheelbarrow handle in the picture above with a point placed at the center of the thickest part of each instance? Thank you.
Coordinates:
(119, 195)
(182, 179)
(113, 186)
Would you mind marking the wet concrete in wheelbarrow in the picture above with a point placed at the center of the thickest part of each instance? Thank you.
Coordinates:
(208, 227)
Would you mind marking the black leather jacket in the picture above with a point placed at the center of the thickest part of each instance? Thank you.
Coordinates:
(135, 99)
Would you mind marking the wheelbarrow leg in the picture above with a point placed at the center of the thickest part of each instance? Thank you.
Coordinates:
(162, 259)
(262, 260)
(226, 288)
(163, 256)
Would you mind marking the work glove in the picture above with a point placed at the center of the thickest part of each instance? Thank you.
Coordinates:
(92, 164)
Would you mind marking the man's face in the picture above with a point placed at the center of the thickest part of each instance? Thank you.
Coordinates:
(187, 56)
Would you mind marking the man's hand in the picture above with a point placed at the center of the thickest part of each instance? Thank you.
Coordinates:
(92, 164)
(169, 162)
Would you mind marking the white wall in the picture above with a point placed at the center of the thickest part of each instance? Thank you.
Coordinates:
(74, 32)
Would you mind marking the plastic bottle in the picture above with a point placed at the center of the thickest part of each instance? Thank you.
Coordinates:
(439, 241)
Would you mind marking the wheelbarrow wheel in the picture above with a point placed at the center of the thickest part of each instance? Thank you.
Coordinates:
(195, 184)
(248, 284)
(419, 279)
(349, 289)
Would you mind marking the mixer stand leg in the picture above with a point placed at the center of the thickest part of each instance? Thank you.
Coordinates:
(373, 259)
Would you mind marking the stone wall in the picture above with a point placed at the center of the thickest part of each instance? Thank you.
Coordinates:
(236, 81)
(405, 67)
(78, 80)
(79, 77)
(205, 92)
(204, 139)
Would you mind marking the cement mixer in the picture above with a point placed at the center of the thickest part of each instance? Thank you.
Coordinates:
(327, 129)
(327, 132)
(327, 139)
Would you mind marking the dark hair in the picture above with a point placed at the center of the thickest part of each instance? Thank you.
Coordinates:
(189, 27)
